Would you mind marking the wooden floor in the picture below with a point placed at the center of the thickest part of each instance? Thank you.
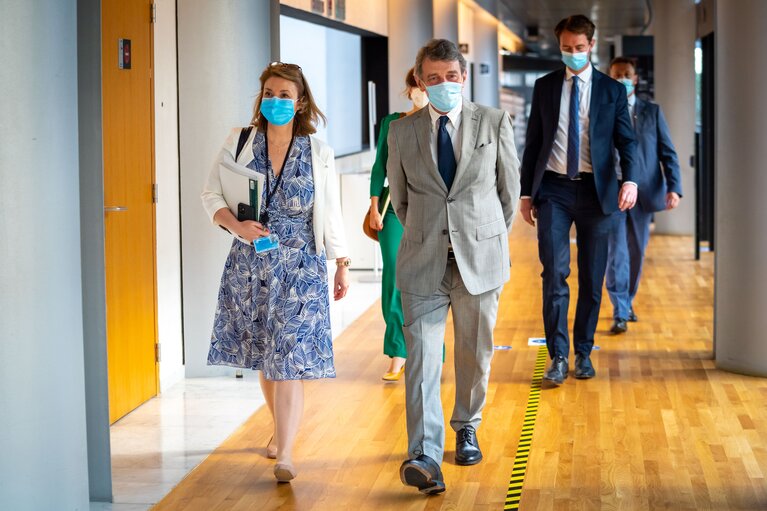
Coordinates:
(658, 428)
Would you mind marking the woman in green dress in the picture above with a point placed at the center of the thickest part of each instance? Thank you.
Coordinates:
(389, 235)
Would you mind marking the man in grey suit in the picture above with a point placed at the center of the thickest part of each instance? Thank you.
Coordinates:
(454, 179)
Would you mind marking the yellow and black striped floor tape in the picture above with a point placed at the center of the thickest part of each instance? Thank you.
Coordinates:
(526, 437)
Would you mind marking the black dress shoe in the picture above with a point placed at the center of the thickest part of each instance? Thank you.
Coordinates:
(619, 326)
(557, 371)
(423, 473)
(466, 447)
(632, 317)
(583, 367)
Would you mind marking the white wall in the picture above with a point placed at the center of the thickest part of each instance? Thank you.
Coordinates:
(43, 460)
(466, 36)
(741, 130)
(486, 86)
(344, 100)
(333, 69)
(365, 14)
(446, 19)
(222, 51)
(167, 209)
(305, 44)
(674, 30)
(411, 27)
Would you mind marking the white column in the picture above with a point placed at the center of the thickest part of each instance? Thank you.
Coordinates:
(411, 26)
(485, 53)
(741, 152)
(222, 50)
(43, 464)
(169, 327)
(446, 19)
(674, 31)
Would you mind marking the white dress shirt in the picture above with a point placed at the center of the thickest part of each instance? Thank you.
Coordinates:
(558, 158)
(453, 127)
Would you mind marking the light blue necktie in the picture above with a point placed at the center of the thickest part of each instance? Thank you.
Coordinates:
(445, 156)
(573, 132)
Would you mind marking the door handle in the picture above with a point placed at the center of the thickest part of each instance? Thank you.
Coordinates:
(115, 208)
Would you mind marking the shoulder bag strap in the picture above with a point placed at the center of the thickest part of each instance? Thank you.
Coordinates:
(244, 134)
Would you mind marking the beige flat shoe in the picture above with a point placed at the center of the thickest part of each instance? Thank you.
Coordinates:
(284, 472)
(271, 452)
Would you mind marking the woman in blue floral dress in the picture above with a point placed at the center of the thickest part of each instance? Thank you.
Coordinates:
(273, 306)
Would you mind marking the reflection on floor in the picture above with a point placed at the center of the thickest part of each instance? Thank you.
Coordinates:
(159, 443)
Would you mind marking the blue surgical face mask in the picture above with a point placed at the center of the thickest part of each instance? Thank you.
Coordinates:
(575, 61)
(629, 84)
(278, 111)
(445, 96)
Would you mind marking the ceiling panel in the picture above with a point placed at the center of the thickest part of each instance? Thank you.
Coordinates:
(612, 17)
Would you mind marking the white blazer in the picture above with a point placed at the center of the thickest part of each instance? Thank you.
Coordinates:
(328, 222)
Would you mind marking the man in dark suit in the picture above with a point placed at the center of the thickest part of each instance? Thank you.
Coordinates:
(660, 188)
(568, 176)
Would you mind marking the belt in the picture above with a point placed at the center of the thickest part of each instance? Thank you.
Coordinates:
(450, 254)
(579, 177)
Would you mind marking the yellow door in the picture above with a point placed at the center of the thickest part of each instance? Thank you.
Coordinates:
(128, 204)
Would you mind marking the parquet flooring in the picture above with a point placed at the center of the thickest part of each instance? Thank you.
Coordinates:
(658, 428)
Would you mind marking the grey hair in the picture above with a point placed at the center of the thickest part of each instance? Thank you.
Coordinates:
(439, 49)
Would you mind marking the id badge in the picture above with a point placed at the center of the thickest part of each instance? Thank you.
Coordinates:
(266, 243)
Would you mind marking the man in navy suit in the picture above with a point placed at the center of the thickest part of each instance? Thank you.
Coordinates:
(660, 188)
(568, 176)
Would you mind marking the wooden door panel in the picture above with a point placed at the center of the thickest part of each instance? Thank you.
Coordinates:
(130, 232)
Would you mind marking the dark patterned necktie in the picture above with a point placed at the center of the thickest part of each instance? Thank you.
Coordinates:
(573, 133)
(445, 155)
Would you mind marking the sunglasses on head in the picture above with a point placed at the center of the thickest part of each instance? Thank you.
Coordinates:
(284, 64)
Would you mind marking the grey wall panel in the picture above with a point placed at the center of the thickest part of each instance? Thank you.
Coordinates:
(741, 153)
(222, 49)
(92, 246)
(43, 465)
(411, 25)
(674, 28)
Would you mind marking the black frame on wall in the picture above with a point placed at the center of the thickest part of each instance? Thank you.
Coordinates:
(705, 171)
(375, 63)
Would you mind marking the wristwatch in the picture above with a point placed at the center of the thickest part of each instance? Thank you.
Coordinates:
(346, 262)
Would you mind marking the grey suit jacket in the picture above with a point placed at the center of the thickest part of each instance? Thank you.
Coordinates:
(475, 215)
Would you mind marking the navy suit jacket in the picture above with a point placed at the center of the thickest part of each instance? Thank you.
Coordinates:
(654, 147)
(609, 126)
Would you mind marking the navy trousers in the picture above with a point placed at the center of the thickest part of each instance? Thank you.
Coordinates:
(627, 245)
(560, 203)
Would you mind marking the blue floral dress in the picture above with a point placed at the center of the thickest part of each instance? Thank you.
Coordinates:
(272, 312)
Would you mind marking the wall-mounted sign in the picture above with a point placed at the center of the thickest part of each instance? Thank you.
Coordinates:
(463, 48)
(318, 6)
(341, 10)
(123, 61)
(484, 69)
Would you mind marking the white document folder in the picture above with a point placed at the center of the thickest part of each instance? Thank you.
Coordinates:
(235, 185)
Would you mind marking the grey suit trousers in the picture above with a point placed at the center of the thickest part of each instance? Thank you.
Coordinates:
(473, 321)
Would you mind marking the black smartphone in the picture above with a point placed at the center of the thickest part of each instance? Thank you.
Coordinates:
(246, 212)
